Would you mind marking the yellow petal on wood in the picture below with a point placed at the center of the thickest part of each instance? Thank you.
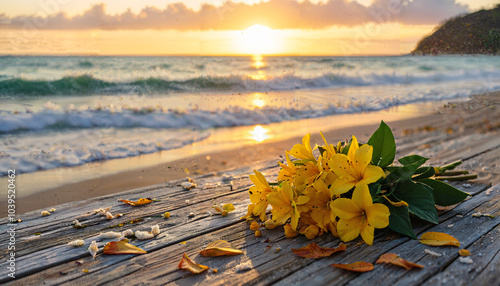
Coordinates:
(220, 248)
(141, 201)
(228, 207)
(438, 239)
(188, 264)
(464, 252)
(121, 247)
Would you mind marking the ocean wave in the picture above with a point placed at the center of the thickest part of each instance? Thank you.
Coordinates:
(88, 85)
(64, 149)
(53, 117)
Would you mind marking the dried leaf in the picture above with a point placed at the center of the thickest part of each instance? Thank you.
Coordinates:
(121, 247)
(396, 260)
(141, 201)
(188, 264)
(315, 251)
(464, 252)
(359, 266)
(220, 248)
(438, 239)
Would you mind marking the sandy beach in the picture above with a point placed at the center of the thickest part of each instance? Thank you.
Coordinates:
(412, 123)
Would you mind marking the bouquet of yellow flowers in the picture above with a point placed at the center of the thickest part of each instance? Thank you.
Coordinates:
(350, 189)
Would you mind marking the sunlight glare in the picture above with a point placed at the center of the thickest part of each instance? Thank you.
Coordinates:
(259, 39)
(259, 133)
(258, 100)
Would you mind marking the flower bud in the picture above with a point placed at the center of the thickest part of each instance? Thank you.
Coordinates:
(254, 226)
(289, 232)
(258, 233)
(269, 224)
(311, 231)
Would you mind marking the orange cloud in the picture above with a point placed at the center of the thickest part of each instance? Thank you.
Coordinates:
(277, 14)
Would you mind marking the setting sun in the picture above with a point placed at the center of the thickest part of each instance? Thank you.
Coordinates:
(259, 39)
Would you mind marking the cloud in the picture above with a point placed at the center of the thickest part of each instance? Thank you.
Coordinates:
(277, 14)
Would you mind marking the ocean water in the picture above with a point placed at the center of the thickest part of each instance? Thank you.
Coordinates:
(69, 111)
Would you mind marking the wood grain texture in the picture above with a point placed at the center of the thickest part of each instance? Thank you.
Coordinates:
(48, 260)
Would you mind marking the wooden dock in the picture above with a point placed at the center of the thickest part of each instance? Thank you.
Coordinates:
(44, 258)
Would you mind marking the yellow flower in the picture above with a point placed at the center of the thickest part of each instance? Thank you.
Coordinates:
(303, 151)
(330, 148)
(360, 215)
(287, 172)
(258, 194)
(306, 173)
(354, 169)
(285, 206)
(319, 203)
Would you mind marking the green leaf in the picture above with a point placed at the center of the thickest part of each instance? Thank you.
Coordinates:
(404, 172)
(374, 189)
(302, 162)
(399, 220)
(321, 150)
(423, 173)
(444, 194)
(412, 159)
(419, 198)
(384, 146)
(346, 147)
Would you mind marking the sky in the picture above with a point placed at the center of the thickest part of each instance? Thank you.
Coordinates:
(221, 27)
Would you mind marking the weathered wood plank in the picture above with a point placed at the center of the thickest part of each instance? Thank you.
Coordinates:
(178, 227)
(484, 251)
(183, 232)
(58, 239)
(59, 225)
(470, 229)
(266, 268)
(159, 266)
(466, 229)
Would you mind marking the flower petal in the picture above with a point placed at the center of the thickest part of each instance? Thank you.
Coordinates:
(378, 215)
(287, 191)
(363, 157)
(345, 208)
(339, 163)
(372, 174)
(348, 229)
(277, 200)
(343, 185)
(367, 233)
(361, 196)
(302, 200)
(295, 217)
(280, 217)
(259, 180)
(353, 148)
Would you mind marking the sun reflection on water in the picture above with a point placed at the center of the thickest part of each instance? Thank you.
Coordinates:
(258, 63)
(259, 133)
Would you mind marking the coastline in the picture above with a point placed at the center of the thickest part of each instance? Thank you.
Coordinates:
(208, 158)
